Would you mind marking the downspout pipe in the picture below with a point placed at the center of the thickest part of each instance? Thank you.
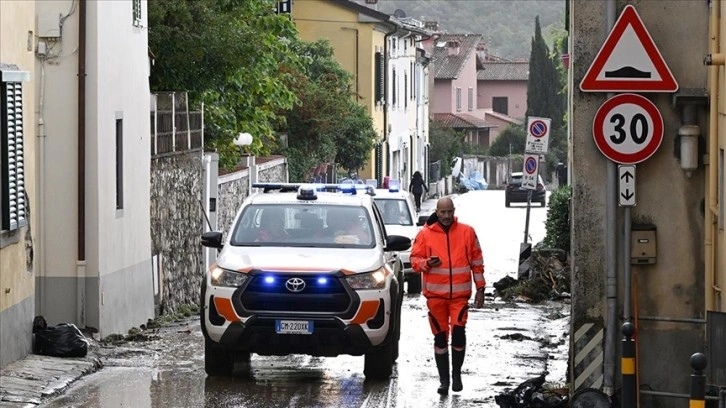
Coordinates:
(81, 238)
(714, 60)
(611, 223)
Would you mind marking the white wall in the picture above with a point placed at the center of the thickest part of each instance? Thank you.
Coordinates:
(117, 271)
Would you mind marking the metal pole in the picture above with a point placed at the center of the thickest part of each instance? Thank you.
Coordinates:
(628, 396)
(698, 381)
(610, 254)
(526, 222)
(627, 291)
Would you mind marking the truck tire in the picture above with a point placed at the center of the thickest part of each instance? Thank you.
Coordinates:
(414, 284)
(379, 363)
(217, 361)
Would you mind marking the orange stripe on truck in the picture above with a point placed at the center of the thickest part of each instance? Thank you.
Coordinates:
(224, 308)
(366, 311)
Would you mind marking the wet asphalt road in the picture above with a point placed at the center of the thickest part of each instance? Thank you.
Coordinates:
(507, 343)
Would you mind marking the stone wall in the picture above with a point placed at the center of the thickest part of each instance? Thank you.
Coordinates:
(233, 188)
(177, 218)
(177, 222)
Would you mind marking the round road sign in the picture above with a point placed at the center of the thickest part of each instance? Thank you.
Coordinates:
(628, 128)
(538, 128)
(530, 165)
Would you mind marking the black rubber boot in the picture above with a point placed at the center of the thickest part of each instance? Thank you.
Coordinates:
(457, 360)
(442, 363)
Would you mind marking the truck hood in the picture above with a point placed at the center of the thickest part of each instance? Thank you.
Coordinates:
(300, 259)
(408, 231)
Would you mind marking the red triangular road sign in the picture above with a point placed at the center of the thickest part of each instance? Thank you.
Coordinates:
(629, 61)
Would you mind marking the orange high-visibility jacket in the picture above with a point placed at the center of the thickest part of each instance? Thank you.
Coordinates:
(460, 255)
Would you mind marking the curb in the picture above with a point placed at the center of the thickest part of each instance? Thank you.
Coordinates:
(35, 378)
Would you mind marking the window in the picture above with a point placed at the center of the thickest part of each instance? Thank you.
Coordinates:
(413, 87)
(500, 104)
(458, 99)
(394, 89)
(405, 90)
(379, 77)
(119, 162)
(137, 12)
(471, 99)
(13, 205)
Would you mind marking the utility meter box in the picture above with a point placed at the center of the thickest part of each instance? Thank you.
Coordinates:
(642, 244)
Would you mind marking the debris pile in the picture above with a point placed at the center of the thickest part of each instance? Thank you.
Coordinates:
(549, 279)
(532, 394)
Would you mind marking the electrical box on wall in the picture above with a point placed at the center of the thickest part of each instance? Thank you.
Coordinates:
(49, 25)
(642, 244)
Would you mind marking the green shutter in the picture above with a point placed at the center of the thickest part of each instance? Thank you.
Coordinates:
(379, 77)
(12, 166)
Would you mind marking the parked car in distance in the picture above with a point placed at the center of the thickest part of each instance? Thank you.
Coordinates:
(515, 193)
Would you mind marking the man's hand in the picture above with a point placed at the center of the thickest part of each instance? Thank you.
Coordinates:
(433, 261)
(479, 298)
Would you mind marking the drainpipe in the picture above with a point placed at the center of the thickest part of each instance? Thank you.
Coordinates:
(41, 188)
(610, 254)
(81, 261)
(713, 60)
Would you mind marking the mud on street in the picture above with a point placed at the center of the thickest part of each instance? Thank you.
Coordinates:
(507, 343)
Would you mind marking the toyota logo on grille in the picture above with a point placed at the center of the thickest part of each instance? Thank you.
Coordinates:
(295, 285)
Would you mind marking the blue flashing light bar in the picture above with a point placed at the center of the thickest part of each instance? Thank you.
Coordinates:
(307, 190)
(394, 185)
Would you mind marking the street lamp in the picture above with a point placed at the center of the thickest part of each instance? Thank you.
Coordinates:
(242, 140)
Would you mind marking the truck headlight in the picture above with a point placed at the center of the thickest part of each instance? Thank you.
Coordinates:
(368, 280)
(223, 277)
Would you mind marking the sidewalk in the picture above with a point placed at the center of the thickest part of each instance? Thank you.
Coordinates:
(34, 379)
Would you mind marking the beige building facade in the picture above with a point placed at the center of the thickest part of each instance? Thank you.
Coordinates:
(19, 198)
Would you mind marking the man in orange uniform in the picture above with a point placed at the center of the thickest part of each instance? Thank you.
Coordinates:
(448, 254)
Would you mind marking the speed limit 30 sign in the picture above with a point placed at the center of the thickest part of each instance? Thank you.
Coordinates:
(628, 128)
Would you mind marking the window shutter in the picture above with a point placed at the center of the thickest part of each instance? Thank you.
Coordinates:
(12, 168)
(379, 76)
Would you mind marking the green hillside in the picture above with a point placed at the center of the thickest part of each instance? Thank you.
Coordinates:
(506, 25)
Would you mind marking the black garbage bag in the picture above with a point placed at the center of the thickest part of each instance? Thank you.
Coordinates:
(63, 340)
(531, 394)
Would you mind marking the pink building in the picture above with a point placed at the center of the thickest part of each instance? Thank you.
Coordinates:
(454, 102)
(502, 92)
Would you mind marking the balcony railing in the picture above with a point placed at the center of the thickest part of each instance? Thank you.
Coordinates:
(173, 127)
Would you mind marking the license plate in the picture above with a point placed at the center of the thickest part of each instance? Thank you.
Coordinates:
(293, 327)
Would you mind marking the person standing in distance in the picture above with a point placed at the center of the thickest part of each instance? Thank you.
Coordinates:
(417, 187)
(448, 254)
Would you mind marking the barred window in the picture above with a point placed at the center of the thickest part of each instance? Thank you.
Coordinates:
(13, 206)
(458, 99)
(137, 12)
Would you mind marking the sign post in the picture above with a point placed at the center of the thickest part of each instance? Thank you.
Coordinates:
(538, 133)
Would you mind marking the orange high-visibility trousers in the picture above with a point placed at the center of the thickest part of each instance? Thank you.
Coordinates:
(445, 313)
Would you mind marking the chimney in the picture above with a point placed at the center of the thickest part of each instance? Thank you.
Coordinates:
(432, 25)
(453, 46)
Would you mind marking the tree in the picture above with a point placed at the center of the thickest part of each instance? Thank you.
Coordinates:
(446, 144)
(544, 87)
(227, 54)
(328, 125)
(511, 140)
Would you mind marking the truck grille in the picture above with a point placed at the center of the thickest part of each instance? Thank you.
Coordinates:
(295, 293)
